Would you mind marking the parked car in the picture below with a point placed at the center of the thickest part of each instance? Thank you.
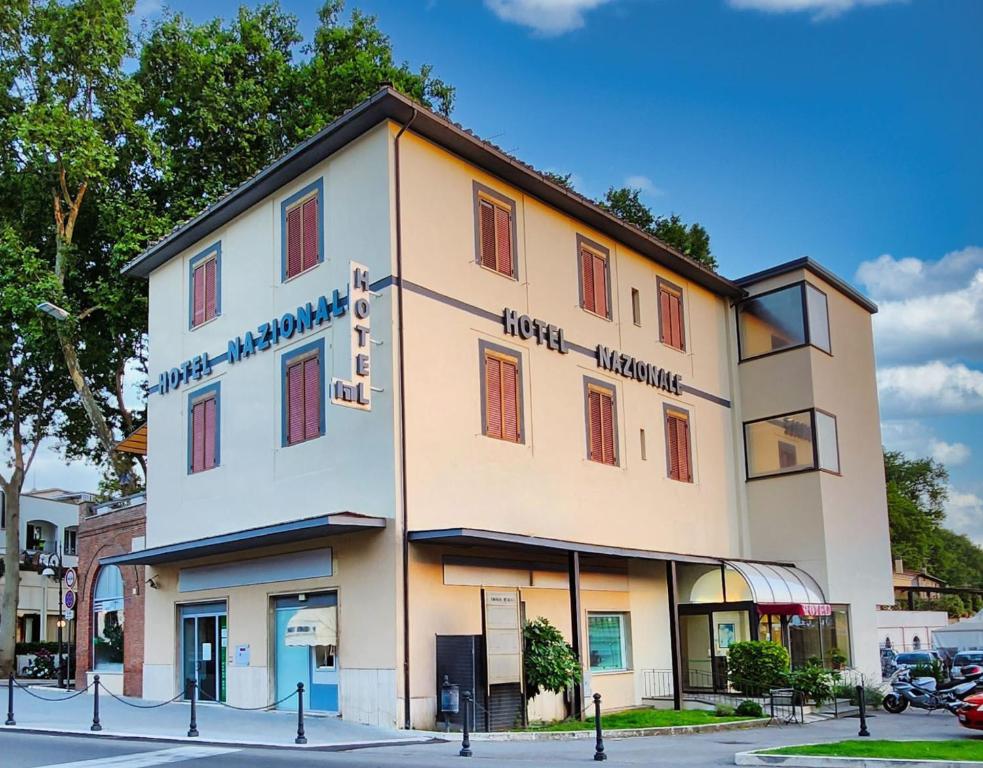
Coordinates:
(911, 659)
(971, 714)
(964, 659)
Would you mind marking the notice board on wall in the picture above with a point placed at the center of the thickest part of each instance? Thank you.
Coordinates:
(503, 636)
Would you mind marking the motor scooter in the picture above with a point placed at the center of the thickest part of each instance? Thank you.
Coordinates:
(926, 693)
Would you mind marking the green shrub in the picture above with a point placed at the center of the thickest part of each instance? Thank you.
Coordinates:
(872, 695)
(754, 666)
(723, 710)
(548, 661)
(42, 666)
(24, 648)
(935, 669)
(749, 708)
(814, 681)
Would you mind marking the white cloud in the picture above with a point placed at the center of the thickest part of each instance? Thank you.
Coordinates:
(917, 439)
(643, 183)
(545, 17)
(964, 514)
(146, 8)
(820, 9)
(932, 387)
(889, 278)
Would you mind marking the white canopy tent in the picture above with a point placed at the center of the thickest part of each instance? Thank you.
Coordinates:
(964, 635)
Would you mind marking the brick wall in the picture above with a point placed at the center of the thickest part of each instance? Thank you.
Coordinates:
(99, 536)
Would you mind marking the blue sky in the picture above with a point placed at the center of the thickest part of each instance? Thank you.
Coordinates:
(845, 130)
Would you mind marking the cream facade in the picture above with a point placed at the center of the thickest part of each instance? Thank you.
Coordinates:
(374, 541)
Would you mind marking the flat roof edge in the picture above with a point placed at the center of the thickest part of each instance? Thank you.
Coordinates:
(817, 269)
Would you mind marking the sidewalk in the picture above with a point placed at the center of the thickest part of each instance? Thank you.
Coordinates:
(60, 713)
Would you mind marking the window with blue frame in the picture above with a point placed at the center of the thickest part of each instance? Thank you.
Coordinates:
(302, 398)
(607, 639)
(205, 286)
(204, 428)
(302, 230)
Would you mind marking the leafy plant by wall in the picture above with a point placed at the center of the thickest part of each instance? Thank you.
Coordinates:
(549, 662)
(754, 666)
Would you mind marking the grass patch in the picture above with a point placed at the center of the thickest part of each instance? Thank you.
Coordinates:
(951, 749)
(642, 718)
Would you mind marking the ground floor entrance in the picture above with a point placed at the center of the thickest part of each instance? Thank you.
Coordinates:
(306, 650)
(204, 649)
(706, 635)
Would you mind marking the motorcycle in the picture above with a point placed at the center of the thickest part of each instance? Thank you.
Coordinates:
(926, 693)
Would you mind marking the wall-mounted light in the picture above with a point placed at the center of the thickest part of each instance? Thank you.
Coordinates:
(153, 583)
(52, 310)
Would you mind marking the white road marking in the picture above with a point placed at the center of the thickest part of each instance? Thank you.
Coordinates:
(148, 759)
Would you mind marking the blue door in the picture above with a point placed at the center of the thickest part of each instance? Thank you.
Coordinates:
(306, 650)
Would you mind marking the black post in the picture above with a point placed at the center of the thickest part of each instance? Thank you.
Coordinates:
(862, 700)
(96, 725)
(193, 725)
(60, 573)
(599, 744)
(10, 701)
(573, 574)
(466, 740)
(301, 738)
(675, 642)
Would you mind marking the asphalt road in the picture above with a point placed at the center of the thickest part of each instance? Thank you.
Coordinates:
(28, 750)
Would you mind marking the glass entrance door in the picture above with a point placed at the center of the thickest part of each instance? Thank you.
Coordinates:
(694, 636)
(306, 650)
(204, 646)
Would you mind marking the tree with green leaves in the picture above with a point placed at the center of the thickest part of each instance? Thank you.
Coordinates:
(692, 240)
(549, 663)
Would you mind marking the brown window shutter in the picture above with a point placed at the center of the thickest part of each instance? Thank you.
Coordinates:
(595, 427)
(510, 401)
(210, 433)
(503, 241)
(671, 430)
(665, 330)
(198, 437)
(198, 295)
(493, 396)
(587, 274)
(295, 261)
(600, 286)
(486, 216)
(210, 288)
(685, 470)
(295, 403)
(310, 256)
(676, 316)
(607, 429)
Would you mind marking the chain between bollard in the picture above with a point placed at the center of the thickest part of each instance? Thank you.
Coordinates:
(10, 701)
(599, 744)
(466, 737)
(96, 725)
(301, 738)
(862, 701)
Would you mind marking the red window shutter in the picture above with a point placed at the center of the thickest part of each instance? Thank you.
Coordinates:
(294, 257)
(310, 234)
(493, 396)
(671, 429)
(607, 429)
(676, 316)
(209, 406)
(312, 398)
(198, 295)
(510, 401)
(600, 286)
(210, 288)
(595, 426)
(685, 471)
(587, 277)
(198, 437)
(295, 403)
(486, 216)
(503, 241)
(665, 329)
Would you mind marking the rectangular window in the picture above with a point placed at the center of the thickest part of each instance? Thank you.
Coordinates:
(70, 543)
(35, 536)
(641, 440)
(301, 224)
(602, 443)
(205, 285)
(607, 639)
(679, 463)
(502, 390)
(203, 428)
(793, 442)
(783, 319)
(671, 329)
(494, 220)
(594, 279)
(636, 307)
(303, 393)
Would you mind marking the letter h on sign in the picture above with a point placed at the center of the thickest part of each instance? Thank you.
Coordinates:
(357, 393)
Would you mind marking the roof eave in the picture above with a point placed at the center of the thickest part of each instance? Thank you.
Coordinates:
(817, 269)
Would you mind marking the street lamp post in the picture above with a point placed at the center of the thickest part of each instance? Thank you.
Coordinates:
(59, 573)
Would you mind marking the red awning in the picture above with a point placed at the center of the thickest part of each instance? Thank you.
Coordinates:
(796, 609)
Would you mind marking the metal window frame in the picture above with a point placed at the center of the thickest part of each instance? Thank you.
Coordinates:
(803, 300)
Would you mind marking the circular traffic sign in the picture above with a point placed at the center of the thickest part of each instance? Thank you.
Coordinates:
(69, 599)
(70, 578)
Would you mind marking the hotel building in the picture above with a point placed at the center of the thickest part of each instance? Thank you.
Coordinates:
(407, 392)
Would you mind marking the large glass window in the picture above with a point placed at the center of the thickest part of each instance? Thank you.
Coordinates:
(792, 442)
(607, 639)
(786, 318)
(107, 619)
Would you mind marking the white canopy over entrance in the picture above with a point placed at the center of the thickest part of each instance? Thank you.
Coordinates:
(782, 589)
(313, 626)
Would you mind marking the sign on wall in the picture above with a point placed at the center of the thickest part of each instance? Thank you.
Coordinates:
(503, 636)
(357, 392)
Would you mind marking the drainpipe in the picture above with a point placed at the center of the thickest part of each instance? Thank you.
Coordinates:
(407, 720)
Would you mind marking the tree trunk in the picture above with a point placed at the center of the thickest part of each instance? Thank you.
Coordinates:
(11, 580)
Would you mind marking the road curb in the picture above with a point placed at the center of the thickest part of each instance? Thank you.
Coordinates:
(756, 757)
(614, 733)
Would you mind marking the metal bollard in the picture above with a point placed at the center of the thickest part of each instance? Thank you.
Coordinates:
(862, 701)
(96, 725)
(301, 738)
(10, 701)
(193, 725)
(599, 744)
(466, 739)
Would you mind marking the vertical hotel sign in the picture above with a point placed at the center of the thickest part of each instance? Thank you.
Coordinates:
(357, 392)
